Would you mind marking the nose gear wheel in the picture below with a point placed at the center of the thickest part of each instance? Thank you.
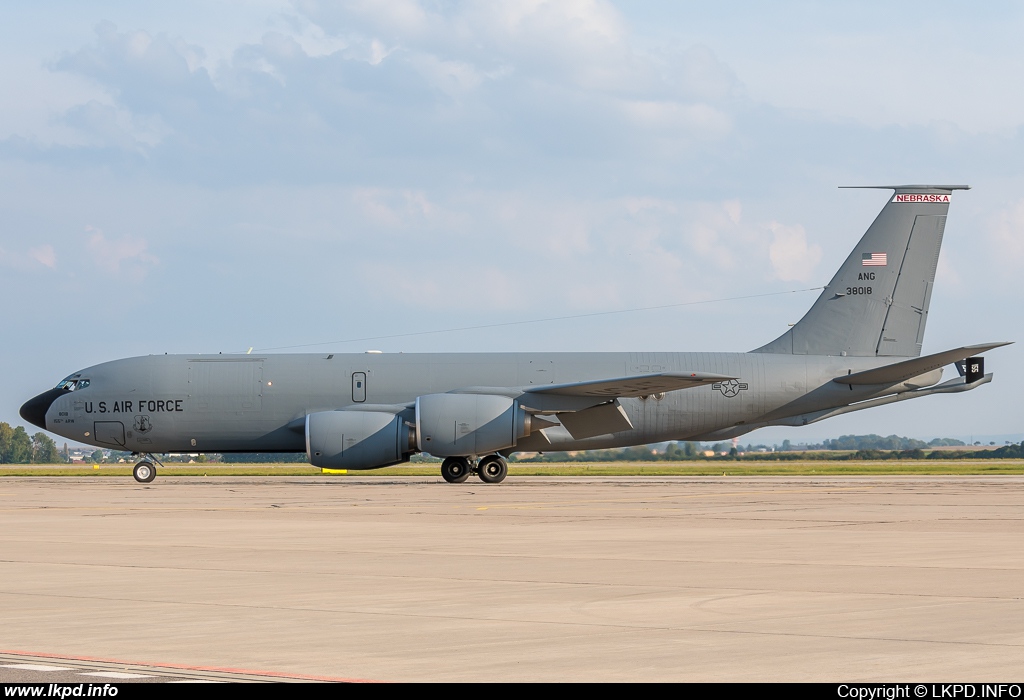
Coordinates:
(144, 471)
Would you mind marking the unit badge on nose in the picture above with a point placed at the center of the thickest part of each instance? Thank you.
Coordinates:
(730, 388)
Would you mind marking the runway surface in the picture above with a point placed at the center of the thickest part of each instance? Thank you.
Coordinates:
(618, 578)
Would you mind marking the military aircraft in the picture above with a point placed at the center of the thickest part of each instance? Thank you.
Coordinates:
(859, 346)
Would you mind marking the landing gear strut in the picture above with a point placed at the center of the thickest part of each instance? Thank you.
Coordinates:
(144, 472)
(492, 469)
(455, 470)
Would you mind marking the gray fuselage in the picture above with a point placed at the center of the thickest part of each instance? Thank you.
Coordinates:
(250, 403)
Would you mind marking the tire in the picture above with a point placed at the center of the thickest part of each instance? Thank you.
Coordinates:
(144, 472)
(492, 470)
(455, 470)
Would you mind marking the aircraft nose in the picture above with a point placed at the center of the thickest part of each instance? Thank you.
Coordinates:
(34, 410)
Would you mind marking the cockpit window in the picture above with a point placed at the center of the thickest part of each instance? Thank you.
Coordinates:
(73, 382)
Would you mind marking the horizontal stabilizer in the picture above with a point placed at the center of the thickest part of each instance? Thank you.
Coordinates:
(599, 420)
(902, 371)
(627, 387)
(898, 188)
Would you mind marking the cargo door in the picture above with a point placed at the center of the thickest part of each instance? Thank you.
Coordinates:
(226, 386)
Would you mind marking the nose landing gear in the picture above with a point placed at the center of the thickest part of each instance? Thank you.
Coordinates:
(144, 472)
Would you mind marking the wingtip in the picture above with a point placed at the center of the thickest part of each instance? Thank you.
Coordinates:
(990, 346)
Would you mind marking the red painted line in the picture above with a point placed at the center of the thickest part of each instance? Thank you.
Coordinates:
(183, 667)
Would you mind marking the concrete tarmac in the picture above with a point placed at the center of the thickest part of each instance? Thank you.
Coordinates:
(536, 579)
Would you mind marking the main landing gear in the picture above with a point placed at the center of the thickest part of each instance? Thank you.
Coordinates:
(492, 469)
(144, 472)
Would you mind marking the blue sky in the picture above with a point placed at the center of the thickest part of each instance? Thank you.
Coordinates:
(212, 176)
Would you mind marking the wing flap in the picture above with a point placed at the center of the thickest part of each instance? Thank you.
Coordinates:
(902, 371)
(631, 387)
(599, 420)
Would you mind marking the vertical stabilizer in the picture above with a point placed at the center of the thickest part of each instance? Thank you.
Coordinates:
(877, 303)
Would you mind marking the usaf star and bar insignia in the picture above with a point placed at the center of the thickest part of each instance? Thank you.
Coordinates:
(729, 388)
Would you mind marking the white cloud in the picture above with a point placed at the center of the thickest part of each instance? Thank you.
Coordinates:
(44, 255)
(792, 259)
(718, 235)
(674, 116)
(946, 273)
(453, 288)
(41, 255)
(423, 89)
(404, 18)
(849, 67)
(128, 255)
(396, 209)
(106, 125)
(1007, 234)
(454, 78)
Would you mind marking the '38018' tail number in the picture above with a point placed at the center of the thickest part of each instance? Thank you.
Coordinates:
(858, 290)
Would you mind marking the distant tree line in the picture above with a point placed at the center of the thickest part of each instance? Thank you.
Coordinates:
(892, 442)
(17, 447)
(869, 442)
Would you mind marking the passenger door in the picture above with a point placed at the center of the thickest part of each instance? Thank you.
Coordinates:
(359, 387)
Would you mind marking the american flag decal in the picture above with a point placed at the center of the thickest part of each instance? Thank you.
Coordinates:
(868, 259)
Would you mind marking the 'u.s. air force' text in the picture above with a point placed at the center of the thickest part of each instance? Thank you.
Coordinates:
(133, 406)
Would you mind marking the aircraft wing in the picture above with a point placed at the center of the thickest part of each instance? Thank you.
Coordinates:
(628, 387)
(901, 371)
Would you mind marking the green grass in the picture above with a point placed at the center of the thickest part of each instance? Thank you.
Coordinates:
(696, 468)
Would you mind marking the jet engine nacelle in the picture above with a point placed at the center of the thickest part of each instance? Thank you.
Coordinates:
(460, 425)
(357, 439)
